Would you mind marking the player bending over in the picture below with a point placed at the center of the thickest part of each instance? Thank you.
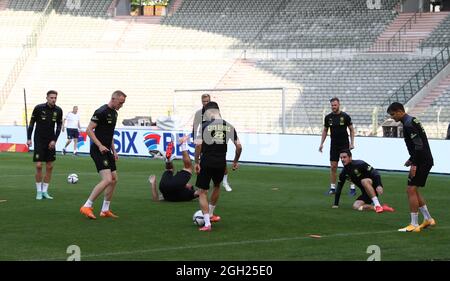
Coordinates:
(175, 188)
(365, 177)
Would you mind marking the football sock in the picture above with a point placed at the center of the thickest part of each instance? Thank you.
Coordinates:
(39, 186)
(88, 204)
(225, 178)
(332, 186)
(206, 218)
(375, 201)
(415, 219)
(425, 213)
(105, 206)
(44, 187)
(211, 209)
(352, 186)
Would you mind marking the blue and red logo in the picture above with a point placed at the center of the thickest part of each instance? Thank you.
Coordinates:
(156, 143)
(151, 140)
(82, 136)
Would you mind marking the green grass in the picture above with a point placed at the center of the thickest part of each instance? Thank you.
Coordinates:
(268, 216)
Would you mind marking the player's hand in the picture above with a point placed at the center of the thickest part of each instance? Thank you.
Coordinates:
(116, 156)
(197, 169)
(335, 206)
(29, 143)
(152, 179)
(379, 190)
(321, 148)
(103, 149)
(412, 170)
(235, 166)
(51, 145)
(408, 163)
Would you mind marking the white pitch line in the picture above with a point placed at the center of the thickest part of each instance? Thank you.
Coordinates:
(167, 249)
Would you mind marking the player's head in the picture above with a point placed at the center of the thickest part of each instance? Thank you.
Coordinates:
(346, 156)
(211, 111)
(169, 166)
(117, 99)
(75, 109)
(51, 97)
(335, 103)
(396, 111)
(205, 99)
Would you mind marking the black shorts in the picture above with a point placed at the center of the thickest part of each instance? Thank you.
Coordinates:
(174, 188)
(103, 161)
(364, 196)
(421, 176)
(42, 153)
(335, 150)
(72, 133)
(207, 174)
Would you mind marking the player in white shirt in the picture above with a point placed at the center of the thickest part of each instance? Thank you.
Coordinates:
(73, 128)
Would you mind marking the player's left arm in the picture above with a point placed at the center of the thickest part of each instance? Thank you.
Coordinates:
(238, 151)
(198, 150)
(352, 132)
(52, 144)
(58, 124)
(113, 148)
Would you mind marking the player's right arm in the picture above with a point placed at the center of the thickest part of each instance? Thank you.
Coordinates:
(324, 133)
(31, 126)
(90, 132)
(324, 136)
(337, 195)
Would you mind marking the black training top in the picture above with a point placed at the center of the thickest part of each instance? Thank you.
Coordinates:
(105, 118)
(215, 136)
(355, 172)
(416, 141)
(338, 124)
(45, 118)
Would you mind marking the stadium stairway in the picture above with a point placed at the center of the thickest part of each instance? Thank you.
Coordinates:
(428, 100)
(420, 29)
(3, 4)
(175, 6)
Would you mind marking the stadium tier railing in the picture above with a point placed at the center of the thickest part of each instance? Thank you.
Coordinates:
(420, 78)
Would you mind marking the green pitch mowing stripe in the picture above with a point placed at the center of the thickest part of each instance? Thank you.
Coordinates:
(269, 215)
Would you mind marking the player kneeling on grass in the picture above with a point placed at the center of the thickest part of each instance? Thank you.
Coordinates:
(175, 188)
(365, 177)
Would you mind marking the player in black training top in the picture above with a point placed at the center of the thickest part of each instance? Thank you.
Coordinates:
(420, 163)
(101, 130)
(366, 178)
(175, 188)
(45, 116)
(198, 120)
(210, 159)
(338, 122)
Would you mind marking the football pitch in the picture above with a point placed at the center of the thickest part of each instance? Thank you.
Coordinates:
(269, 216)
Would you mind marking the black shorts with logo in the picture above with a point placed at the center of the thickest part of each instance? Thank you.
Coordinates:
(72, 133)
(335, 150)
(42, 153)
(207, 174)
(173, 187)
(103, 161)
(421, 176)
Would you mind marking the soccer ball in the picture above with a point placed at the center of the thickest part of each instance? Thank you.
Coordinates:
(198, 218)
(72, 178)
